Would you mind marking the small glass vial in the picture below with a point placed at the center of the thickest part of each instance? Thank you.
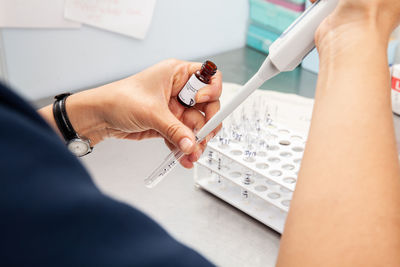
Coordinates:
(198, 80)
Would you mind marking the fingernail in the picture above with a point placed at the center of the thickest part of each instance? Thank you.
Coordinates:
(185, 144)
(203, 98)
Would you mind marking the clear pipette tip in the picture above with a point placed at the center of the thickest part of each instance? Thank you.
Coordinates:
(165, 167)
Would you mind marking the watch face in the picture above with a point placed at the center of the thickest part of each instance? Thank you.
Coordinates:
(79, 147)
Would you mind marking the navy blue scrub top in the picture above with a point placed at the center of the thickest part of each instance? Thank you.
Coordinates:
(52, 214)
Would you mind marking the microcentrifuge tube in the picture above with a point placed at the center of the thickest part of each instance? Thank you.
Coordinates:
(268, 119)
(246, 182)
(224, 139)
(210, 157)
(258, 127)
(219, 179)
(235, 134)
(249, 148)
(210, 160)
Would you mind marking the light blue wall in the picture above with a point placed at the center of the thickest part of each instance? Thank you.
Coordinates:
(42, 63)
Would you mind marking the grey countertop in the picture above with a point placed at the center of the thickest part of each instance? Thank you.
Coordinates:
(221, 233)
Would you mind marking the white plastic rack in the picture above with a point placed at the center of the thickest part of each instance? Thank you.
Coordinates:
(253, 165)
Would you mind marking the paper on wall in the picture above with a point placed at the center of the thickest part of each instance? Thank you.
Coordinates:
(34, 14)
(128, 17)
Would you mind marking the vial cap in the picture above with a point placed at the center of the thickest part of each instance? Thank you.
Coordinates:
(209, 67)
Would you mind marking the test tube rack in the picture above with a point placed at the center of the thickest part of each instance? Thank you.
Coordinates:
(253, 165)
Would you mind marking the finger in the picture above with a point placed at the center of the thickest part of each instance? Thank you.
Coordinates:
(211, 92)
(182, 74)
(210, 110)
(195, 120)
(174, 131)
(185, 162)
(205, 106)
(176, 108)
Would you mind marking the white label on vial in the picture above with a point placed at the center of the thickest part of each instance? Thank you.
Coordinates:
(189, 91)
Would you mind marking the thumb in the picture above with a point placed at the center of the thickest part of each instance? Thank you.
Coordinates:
(175, 132)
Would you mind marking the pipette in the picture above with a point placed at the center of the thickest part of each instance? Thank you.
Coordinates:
(285, 54)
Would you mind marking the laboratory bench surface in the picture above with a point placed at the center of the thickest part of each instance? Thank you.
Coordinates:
(221, 233)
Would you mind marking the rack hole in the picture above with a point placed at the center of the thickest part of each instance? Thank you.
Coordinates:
(288, 167)
(284, 143)
(235, 174)
(296, 138)
(236, 152)
(283, 131)
(262, 166)
(262, 154)
(297, 160)
(274, 160)
(270, 182)
(273, 148)
(298, 149)
(285, 190)
(275, 173)
(286, 203)
(223, 146)
(274, 195)
(286, 154)
(289, 180)
(249, 159)
(261, 188)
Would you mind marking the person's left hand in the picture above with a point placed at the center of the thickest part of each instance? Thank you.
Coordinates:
(145, 106)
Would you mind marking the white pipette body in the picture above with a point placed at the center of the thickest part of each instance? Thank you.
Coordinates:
(285, 54)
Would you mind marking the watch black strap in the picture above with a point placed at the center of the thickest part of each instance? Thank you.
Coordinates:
(61, 118)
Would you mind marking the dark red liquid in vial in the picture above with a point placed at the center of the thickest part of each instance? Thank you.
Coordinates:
(207, 71)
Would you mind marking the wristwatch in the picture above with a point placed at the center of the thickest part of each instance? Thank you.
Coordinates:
(79, 146)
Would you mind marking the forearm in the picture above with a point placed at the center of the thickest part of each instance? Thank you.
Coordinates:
(84, 110)
(345, 208)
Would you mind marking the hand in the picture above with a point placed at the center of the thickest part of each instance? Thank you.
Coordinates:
(353, 18)
(145, 105)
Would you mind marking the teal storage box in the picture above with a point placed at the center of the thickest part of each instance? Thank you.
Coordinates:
(260, 38)
(272, 16)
